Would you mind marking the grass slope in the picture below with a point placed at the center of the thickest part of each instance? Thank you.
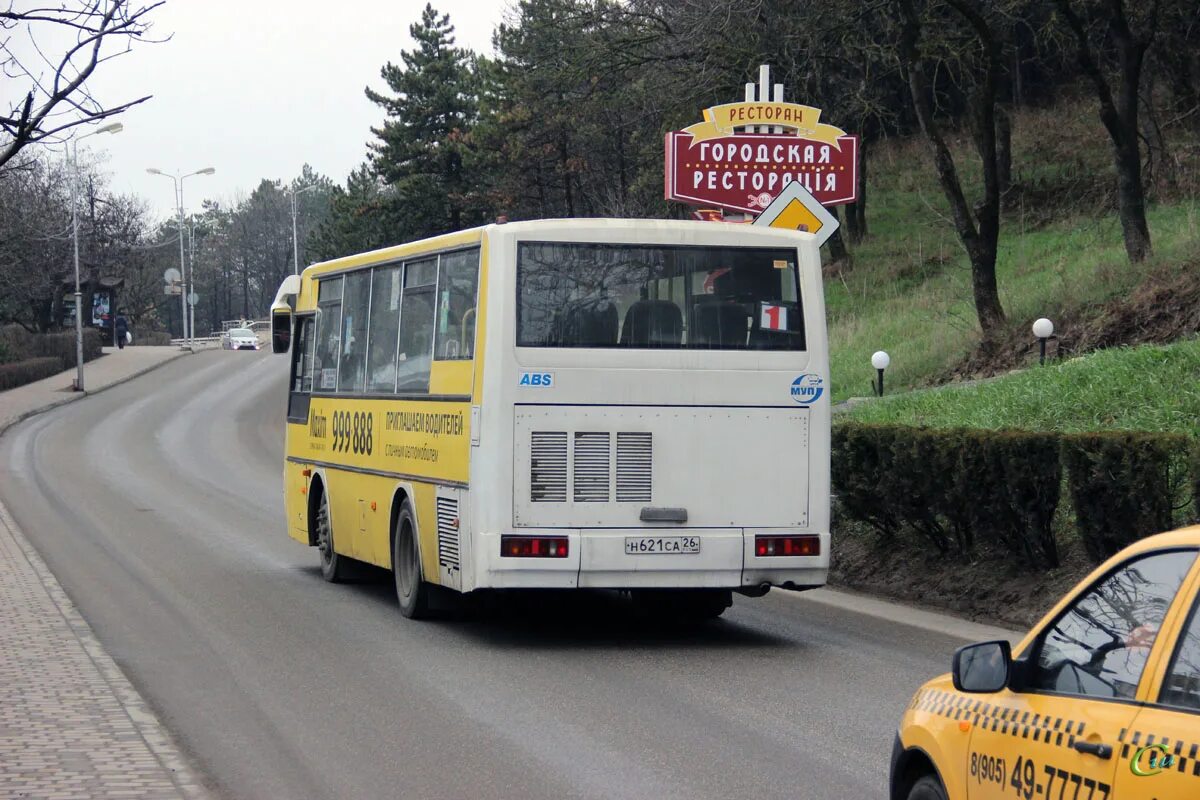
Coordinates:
(1139, 388)
(909, 289)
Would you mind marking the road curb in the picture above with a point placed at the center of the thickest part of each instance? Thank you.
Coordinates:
(5, 424)
(913, 616)
(157, 739)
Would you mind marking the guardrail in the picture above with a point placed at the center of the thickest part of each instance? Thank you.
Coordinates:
(206, 340)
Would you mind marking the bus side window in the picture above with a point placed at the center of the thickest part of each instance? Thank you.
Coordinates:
(458, 282)
(329, 321)
(385, 325)
(415, 348)
(352, 368)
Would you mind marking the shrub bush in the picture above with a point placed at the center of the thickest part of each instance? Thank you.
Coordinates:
(1123, 486)
(19, 373)
(952, 487)
(21, 345)
(1014, 480)
(861, 469)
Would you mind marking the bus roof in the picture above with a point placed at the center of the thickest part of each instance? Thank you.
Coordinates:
(471, 236)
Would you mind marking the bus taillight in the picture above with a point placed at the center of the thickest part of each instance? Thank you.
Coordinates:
(787, 545)
(533, 546)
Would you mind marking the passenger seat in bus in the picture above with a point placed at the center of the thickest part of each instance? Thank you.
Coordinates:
(718, 324)
(652, 323)
(586, 323)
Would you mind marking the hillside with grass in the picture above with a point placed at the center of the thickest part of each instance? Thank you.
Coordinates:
(907, 288)
(1148, 388)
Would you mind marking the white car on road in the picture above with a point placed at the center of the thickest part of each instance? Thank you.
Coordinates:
(243, 339)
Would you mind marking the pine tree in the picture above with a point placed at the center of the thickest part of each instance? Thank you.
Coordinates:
(421, 149)
(361, 217)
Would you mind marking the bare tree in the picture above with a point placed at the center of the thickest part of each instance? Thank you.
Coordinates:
(54, 94)
(1119, 33)
(978, 228)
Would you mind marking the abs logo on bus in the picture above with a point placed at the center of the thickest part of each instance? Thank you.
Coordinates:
(808, 388)
(537, 380)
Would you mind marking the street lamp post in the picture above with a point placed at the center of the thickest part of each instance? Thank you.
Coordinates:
(1043, 329)
(114, 127)
(880, 360)
(295, 238)
(187, 277)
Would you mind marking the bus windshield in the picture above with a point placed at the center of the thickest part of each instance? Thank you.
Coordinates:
(647, 296)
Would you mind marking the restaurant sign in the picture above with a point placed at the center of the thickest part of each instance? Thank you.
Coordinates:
(743, 154)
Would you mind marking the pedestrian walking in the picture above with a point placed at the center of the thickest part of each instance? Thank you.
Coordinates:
(122, 327)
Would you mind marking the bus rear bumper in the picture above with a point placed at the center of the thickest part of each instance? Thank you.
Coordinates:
(598, 560)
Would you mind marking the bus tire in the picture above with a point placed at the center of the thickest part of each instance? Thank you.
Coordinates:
(689, 605)
(335, 568)
(411, 591)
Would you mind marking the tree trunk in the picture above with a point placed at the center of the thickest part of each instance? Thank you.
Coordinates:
(1120, 117)
(1131, 201)
(852, 232)
(980, 241)
(860, 206)
(837, 246)
(1003, 150)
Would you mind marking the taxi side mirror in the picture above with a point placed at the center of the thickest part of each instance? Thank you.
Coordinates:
(983, 667)
(281, 332)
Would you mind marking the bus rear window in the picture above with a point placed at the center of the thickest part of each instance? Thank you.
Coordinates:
(662, 297)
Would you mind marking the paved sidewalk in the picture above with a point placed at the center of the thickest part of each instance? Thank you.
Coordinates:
(115, 366)
(71, 724)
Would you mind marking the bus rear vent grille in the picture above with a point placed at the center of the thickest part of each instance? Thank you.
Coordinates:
(593, 467)
(447, 527)
(635, 457)
(590, 466)
(548, 467)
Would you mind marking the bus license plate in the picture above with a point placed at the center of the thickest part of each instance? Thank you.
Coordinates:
(661, 545)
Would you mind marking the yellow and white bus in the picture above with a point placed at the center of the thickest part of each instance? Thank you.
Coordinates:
(626, 404)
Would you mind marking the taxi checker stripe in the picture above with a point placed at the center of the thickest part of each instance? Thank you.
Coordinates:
(1181, 761)
(1008, 721)
(1064, 731)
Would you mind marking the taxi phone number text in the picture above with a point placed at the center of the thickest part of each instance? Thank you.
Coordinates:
(1025, 775)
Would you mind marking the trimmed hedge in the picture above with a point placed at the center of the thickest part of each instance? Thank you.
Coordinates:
(31, 369)
(1124, 486)
(957, 489)
(953, 488)
(19, 344)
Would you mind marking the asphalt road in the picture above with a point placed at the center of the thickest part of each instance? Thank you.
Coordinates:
(158, 506)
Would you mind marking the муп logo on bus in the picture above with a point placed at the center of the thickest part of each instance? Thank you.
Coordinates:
(807, 389)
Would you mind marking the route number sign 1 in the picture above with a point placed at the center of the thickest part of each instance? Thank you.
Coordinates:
(774, 318)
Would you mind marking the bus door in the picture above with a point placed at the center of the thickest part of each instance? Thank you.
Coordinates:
(296, 476)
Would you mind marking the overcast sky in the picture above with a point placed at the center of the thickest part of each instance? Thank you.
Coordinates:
(256, 88)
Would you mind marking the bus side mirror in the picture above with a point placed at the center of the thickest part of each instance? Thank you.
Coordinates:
(281, 332)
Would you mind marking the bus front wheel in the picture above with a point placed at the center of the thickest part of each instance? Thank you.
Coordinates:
(411, 591)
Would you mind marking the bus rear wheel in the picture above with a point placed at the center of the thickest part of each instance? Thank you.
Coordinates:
(683, 604)
(335, 568)
(411, 592)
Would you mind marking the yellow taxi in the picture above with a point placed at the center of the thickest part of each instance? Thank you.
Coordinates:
(1101, 700)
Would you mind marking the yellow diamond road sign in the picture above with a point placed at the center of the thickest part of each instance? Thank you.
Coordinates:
(796, 209)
